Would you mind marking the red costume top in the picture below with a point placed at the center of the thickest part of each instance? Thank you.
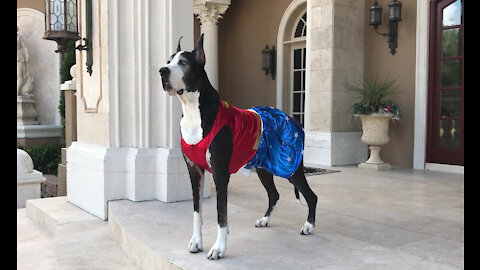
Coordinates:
(246, 131)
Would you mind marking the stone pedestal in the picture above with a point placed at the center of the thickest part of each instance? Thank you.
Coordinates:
(375, 162)
(28, 179)
(26, 112)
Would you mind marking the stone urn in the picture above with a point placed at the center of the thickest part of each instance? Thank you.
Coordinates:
(375, 134)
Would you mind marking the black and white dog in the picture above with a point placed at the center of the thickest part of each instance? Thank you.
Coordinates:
(184, 76)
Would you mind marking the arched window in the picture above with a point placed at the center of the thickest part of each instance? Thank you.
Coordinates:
(301, 29)
(296, 69)
(291, 56)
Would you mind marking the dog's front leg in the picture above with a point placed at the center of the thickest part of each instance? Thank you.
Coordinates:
(220, 151)
(197, 180)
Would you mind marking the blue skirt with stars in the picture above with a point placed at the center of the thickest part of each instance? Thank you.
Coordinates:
(281, 147)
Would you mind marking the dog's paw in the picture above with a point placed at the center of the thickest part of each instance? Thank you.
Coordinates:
(217, 251)
(307, 228)
(263, 222)
(195, 244)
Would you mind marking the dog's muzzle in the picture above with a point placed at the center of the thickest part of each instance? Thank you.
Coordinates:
(165, 74)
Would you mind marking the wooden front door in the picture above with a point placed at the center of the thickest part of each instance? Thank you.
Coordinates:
(446, 84)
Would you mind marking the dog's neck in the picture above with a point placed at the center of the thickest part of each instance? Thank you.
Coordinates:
(199, 111)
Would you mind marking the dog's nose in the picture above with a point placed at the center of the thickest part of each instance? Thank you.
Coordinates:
(164, 71)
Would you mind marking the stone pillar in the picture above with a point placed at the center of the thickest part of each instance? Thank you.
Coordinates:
(209, 12)
(128, 136)
(334, 55)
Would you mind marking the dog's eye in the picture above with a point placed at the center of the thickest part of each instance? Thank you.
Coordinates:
(182, 62)
(168, 62)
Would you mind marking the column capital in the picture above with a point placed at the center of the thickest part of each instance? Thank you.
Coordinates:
(209, 12)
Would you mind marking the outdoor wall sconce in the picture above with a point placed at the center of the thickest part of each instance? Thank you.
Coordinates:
(268, 61)
(395, 15)
(61, 26)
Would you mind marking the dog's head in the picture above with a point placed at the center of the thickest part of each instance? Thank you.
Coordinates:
(184, 70)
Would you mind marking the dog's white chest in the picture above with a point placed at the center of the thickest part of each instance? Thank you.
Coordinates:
(191, 123)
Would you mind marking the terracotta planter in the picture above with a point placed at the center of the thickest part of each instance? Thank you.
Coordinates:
(375, 134)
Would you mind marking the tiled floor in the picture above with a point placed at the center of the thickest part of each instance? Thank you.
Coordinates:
(397, 219)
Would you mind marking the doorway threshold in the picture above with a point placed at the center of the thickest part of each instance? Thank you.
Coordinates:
(444, 168)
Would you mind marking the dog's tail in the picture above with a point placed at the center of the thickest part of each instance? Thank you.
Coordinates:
(297, 195)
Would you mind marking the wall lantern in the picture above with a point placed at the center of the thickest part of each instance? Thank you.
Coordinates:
(61, 26)
(268, 61)
(394, 16)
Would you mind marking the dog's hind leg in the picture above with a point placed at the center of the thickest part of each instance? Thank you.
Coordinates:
(197, 180)
(267, 180)
(221, 149)
(300, 182)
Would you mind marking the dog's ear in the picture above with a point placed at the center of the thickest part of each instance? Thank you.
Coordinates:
(178, 46)
(199, 52)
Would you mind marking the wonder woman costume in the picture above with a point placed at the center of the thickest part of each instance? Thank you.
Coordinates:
(263, 137)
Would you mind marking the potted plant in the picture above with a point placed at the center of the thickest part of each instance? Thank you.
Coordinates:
(375, 107)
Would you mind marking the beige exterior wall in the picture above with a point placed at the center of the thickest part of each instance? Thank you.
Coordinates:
(35, 4)
(246, 28)
(378, 60)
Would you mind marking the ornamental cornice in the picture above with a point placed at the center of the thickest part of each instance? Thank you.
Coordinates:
(209, 12)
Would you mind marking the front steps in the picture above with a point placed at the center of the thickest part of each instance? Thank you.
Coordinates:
(54, 234)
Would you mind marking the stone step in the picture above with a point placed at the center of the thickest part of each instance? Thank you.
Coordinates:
(53, 212)
(54, 234)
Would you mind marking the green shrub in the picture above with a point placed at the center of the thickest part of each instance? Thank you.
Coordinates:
(45, 157)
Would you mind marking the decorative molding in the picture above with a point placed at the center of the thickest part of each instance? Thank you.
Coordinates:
(209, 12)
(39, 131)
(421, 85)
(88, 107)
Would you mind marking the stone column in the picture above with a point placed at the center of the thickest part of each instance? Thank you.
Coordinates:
(128, 136)
(334, 55)
(209, 12)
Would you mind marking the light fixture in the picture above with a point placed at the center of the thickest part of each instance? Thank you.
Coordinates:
(61, 26)
(268, 61)
(394, 16)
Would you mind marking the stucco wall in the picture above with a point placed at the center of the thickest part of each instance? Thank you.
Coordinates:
(378, 60)
(247, 26)
(35, 4)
